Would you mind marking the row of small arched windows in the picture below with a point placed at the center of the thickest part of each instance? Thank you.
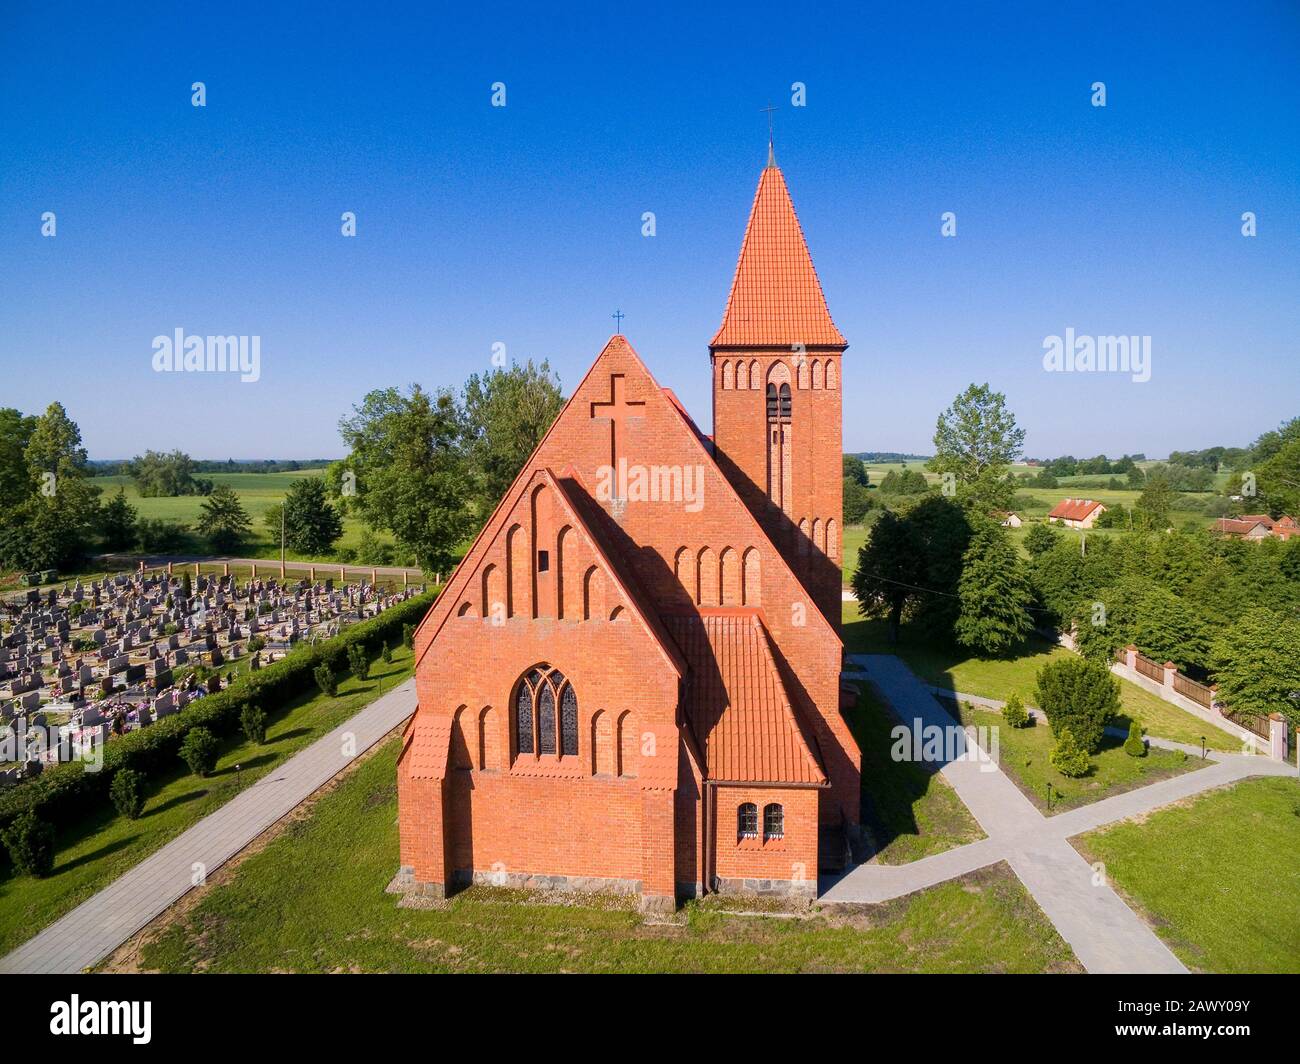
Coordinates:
(773, 821)
(812, 373)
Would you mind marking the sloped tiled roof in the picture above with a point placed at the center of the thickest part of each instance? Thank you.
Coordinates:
(737, 705)
(1073, 509)
(428, 740)
(776, 298)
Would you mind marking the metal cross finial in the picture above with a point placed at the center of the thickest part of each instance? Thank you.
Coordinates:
(618, 317)
(771, 150)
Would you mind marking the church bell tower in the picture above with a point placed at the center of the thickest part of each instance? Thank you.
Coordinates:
(777, 414)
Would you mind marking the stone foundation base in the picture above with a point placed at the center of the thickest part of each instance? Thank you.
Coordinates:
(536, 881)
(794, 889)
(405, 883)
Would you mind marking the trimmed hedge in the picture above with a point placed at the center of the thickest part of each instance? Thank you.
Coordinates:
(63, 793)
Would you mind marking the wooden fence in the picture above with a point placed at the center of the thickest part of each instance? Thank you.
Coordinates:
(1197, 692)
(1152, 670)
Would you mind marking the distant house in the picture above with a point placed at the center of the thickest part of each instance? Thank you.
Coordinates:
(1076, 513)
(1257, 526)
(1010, 519)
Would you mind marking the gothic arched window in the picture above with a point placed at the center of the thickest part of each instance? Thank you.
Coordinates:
(773, 822)
(546, 706)
(785, 402)
(747, 821)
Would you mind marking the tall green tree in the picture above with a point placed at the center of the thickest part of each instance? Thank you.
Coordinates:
(889, 571)
(976, 440)
(311, 524)
(16, 484)
(994, 594)
(506, 414)
(412, 477)
(1154, 505)
(1080, 695)
(1256, 663)
(223, 519)
(117, 522)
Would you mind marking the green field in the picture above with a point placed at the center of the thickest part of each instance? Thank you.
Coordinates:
(1023, 755)
(1217, 875)
(955, 669)
(104, 845)
(296, 907)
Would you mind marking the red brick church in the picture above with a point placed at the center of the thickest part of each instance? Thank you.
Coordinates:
(631, 682)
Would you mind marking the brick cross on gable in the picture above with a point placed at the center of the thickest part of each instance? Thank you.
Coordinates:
(617, 412)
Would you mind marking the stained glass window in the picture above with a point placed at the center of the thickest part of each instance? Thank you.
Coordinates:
(747, 821)
(773, 822)
(546, 720)
(568, 721)
(524, 718)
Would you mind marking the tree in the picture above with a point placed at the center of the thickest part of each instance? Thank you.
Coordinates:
(976, 440)
(904, 482)
(157, 474)
(1014, 714)
(117, 522)
(408, 636)
(1068, 756)
(199, 750)
(1152, 509)
(311, 524)
(157, 536)
(507, 412)
(30, 842)
(1079, 695)
(855, 470)
(1256, 663)
(326, 680)
(858, 502)
(412, 477)
(1278, 476)
(223, 519)
(889, 570)
(1133, 745)
(127, 793)
(358, 661)
(252, 722)
(1041, 538)
(994, 594)
(16, 485)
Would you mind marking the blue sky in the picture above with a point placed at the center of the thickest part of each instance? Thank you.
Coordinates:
(522, 224)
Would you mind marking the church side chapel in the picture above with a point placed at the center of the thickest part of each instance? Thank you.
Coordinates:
(639, 690)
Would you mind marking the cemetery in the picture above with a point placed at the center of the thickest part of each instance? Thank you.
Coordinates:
(84, 663)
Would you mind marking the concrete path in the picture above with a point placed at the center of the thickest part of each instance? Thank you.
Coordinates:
(1105, 934)
(97, 926)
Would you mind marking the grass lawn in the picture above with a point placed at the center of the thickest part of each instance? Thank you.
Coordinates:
(104, 844)
(910, 810)
(1216, 875)
(954, 669)
(257, 491)
(1023, 755)
(295, 906)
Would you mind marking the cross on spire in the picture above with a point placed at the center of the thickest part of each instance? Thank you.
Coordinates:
(771, 149)
(617, 412)
(618, 317)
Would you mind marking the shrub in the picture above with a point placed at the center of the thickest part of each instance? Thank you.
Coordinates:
(408, 636)
(386, 655)
(1069, 757)
(1133, 745)
(255, 643)
(358, 662)
(199, 751)
(30, 842)
(253, 722)
(127, 792)
(1081, 695)
(326, 680)
(1014, 714)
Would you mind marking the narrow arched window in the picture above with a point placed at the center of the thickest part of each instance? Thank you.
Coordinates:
(773, 822)
(568, 721)
(747, 821)
(785, 402)
(771, 402)
(524, 711)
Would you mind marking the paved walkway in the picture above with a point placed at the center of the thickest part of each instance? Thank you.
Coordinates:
(1105, 934)
(96, 927)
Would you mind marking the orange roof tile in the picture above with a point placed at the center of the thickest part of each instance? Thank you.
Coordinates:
(776, 298)
(737, 705)
(428, 742)
(1073, 509)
